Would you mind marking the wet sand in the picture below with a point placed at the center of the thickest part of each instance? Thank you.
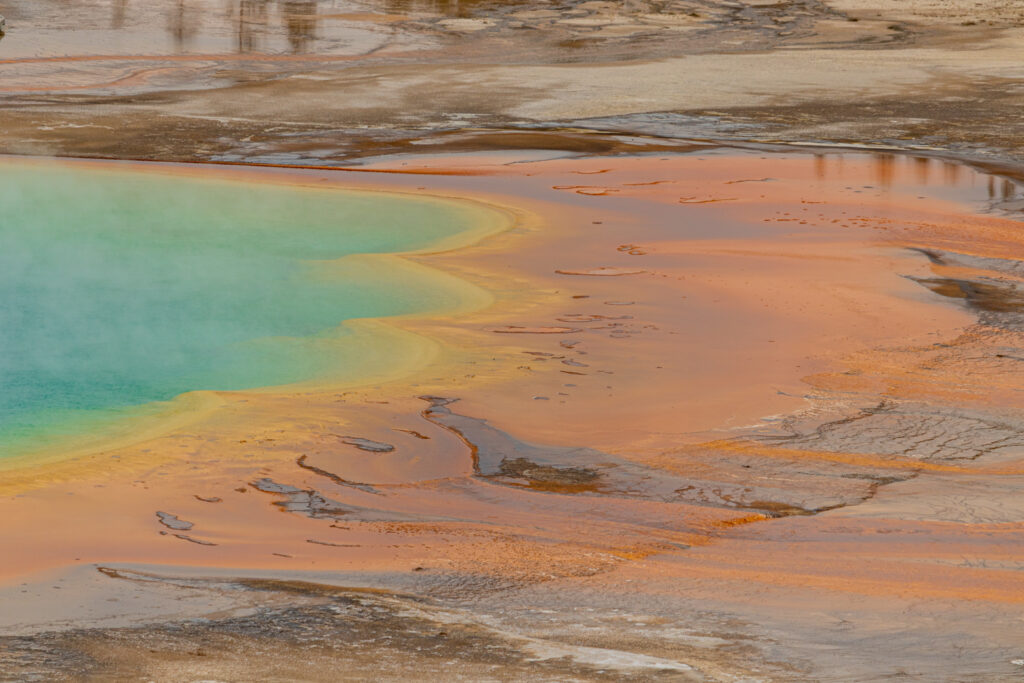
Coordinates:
(731, 415)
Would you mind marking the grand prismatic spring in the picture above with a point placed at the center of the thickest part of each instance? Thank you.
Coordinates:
(123, 288)
(511, 340)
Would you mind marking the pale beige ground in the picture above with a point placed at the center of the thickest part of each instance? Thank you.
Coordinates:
(925, 12)
(301, 82)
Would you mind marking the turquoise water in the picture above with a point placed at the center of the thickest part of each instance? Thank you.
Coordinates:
(118, 289)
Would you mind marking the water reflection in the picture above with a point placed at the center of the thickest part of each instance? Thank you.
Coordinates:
(885, 169)
(924, 170)
(117, 18)
(449, 8)
(253, 23)
(820, 166)
(1001, 189)
(891, 170)
(951, 172)
(181, 29)
(300, 18)
(255, 19)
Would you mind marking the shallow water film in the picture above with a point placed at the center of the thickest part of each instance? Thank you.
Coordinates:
(509, 340)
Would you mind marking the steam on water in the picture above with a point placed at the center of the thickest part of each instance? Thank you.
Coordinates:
(118, 289)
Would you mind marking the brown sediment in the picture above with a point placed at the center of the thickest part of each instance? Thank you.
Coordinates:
(333, 545)
(301, 462)
(522, 329)
(608, 271)
(737, 445)
(190, 539)
(368, 445)
(413, 432)
(706, 200)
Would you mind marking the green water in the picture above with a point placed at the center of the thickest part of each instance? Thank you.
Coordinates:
(119, 289)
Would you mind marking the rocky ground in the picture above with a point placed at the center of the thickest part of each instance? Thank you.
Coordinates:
(320, 83)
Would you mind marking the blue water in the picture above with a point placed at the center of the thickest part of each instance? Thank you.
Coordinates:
(122, 288)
